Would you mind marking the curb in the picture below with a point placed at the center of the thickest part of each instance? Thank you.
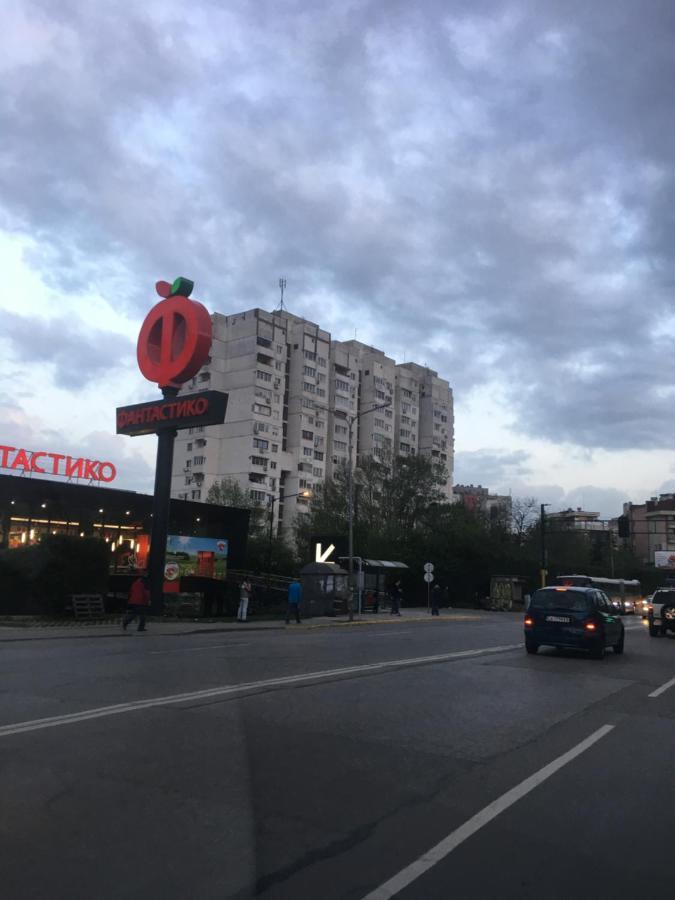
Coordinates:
(235, 628)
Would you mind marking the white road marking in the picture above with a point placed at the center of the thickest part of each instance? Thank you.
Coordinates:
(412, 872)
(230, 689)
(204, 647)
(663, 688)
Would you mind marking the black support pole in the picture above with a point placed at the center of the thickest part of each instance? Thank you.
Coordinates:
(160, 512)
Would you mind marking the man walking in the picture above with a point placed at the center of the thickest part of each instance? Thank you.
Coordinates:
(435, 600)
(294, 599)
(137, 603)
(395, 596)
(245, 592)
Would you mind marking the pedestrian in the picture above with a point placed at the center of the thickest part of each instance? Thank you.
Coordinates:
(137, 603)
(376, 602)
(435, 600)
(370, 601)
(245, 591)
(294, 599)
(396, 594)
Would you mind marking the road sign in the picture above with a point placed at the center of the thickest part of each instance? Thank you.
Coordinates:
(428, 577)
(428, 567)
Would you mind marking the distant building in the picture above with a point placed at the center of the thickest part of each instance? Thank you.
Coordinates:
(292, 393)
(479, 499)
(577, 520)
(652, 526)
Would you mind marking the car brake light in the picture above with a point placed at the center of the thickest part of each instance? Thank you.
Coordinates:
(590, 626)
(529, 620)
(650, 607)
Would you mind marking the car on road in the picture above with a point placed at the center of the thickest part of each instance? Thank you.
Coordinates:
(580, 618)
(661, 612)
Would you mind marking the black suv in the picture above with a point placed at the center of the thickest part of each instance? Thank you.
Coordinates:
(579, 617)
(661, 612)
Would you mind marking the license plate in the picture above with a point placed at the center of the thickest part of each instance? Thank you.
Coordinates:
(558, 619)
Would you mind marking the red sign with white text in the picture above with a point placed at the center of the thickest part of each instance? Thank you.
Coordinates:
(43, 462)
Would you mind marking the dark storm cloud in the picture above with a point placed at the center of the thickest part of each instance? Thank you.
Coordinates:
(79, 354)
(486, 187)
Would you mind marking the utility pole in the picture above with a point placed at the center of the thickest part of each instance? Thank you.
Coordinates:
(543, 543)
(350, 508)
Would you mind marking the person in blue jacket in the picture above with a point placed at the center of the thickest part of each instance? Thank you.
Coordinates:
(294, 599)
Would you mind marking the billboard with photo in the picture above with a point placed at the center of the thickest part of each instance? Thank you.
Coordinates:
(202, 556)
(664, 559)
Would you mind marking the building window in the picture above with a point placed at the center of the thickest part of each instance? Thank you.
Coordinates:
(188, 479)
(308, 436)
(262, 410)
(404, 432)
(260, 427)
(307, 451)
(380, 395)
(341, 385)
(308, 370)
(341, 429)
(260, 444)
(317, 471)
(388, 413)
(275, 448)
(320, 361)
(188, 463)
(259, 461)
(199, 460)
(310, 388)
(309, 354)
(258, 496)
(318, 454)
(263, 376)
(340, 445)
(320, 392)
(273, 465)
(197, 495)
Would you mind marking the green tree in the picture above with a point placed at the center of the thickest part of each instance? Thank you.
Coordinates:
(228, 492)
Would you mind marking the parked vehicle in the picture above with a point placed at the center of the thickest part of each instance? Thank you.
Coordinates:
(577, 617)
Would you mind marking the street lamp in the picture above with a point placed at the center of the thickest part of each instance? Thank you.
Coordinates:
(307, 494)
(350, 491)
(543, 543)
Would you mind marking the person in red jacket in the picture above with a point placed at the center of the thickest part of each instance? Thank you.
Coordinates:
(137, 603)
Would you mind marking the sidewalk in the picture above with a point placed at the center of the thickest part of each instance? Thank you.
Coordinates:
(73, 630)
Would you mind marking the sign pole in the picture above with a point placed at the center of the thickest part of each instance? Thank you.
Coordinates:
(428, 596)
(160, 510)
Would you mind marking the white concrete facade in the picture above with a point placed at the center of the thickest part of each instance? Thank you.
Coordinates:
(292, 392)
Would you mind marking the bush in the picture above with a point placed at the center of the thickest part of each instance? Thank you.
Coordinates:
(38, 579)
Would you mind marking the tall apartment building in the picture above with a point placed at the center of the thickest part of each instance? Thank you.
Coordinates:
(292, 394)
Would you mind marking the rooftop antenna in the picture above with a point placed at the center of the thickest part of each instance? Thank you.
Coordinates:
(282, 288)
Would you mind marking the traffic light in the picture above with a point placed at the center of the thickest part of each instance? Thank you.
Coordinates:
(624, 526)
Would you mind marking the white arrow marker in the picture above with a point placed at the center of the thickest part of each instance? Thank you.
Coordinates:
(323, 557)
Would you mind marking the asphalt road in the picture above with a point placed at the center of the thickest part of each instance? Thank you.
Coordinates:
(432, 759)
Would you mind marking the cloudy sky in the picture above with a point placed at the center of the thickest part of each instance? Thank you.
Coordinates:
(483, 186)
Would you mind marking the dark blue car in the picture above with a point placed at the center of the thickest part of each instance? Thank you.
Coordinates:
(580, 618)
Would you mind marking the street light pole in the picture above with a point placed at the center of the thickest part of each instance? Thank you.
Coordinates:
(543, 543)
(307, 494)
(350, 506)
